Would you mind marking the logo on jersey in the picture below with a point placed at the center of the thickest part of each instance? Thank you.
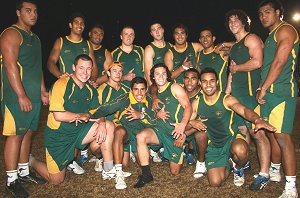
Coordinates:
(219, 114)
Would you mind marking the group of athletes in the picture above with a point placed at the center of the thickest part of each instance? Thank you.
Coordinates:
(199, 97)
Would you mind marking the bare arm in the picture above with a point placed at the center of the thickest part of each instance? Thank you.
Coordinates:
(168, 59)
(148, 62)
(44, 92)
(108, 60)
(53, 58)
(10, 44)
(95, 68)
(255, 46)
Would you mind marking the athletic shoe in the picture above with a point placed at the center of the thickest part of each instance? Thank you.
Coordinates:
(143, 180)
(200, 170)
(120, 181)
(155, 157)
(31, 178)
(81, 160)
(289, 193)
(275, 175)
(16, 189)
(190, 159)
(259, 183)
(112, 174)
(238, 177)
(247, 166)
(75, 168)
(93, 159)
(98, 166)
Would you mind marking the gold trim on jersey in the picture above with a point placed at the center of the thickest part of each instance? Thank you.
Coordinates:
(180, 51)
(159, 46)
(134, 101)
(209, 52)
(21, 70)
(160, 91)
(73, 87)
(67, 37)
(250, 84)
(293, 71)
(220, 75)
(214, 102)
(108, 95)
(276, 116)
(100, 91)
(51, 164)
(63, 64)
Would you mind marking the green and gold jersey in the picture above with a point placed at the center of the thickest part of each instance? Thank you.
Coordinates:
(106, 94)
(179, 56)
(66, 95)
(172, 105)
(69, 50)
(100, 59)
(285, 84)
(194, 97)
(133, 60)
(218, 63)
(159, 52)
(122, 104)
(243, 83)
(30, 68)
(220, 126)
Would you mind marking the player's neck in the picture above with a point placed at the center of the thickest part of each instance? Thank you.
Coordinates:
(127, 48)
(193, 93)
(238, 36)
(180, 47)
(24, 27)
(159, 43)
(209, 49)
(78, 82)
(275, 25)
(75, 37)
(95, 47)
(114, 84)
(212, 99)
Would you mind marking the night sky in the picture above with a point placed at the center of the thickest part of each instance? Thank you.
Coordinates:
(113, 15)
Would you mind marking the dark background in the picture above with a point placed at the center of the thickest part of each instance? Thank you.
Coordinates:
(113, 15)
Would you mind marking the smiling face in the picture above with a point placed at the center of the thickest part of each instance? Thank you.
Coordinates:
(207, 39)
(209, 83)
(139, 91)
(235, 24)
(180, 36)
(28, 14)
(127, 36)
(191, 81)
(160, 76)
(77, 26)
(83, 70)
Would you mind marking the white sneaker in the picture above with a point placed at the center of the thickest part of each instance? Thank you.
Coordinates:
(98, 166)
(75, 168)
(238, 177)
(112, 174)
(200, 170)
(275, 175)
(289, 193)
(120, 181)
(93, 159)
(155, 156)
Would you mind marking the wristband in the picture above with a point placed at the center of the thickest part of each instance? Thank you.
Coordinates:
(223, 45)
(257, 119)
(258, 89)
(184, 67)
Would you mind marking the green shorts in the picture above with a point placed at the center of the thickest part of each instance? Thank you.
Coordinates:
(219, 156)
(172, 153)
(60, 146)
(17, 122)
(279, 111)
(251, 103)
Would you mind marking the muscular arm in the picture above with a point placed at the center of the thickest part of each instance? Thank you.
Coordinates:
(285, 36)
(53, 58)
(148, 62)
(95, 68)
(9, 44)
(108, 60)
(255, 45)
(184, 101)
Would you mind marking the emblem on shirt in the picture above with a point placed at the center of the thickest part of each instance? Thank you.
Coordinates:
(219, 114)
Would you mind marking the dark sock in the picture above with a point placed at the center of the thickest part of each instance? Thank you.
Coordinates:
(191, 151)
(146, 171)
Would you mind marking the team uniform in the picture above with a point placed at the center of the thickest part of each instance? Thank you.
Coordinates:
(100, 59)
(216, 61)
(281, 97)
(106, 94)
(17, 122)
(164, 130)
(132, 60)
(220, 135)
(69, 50)
(159, 52)
(244, 84)
(179, 56)
(122, 104)
(61, 138)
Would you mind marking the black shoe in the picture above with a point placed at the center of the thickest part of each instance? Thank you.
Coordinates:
(31, 178)
(143, 180)
(17, 190)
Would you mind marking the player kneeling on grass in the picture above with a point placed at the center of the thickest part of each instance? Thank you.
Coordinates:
(227, 147)
(72, 100)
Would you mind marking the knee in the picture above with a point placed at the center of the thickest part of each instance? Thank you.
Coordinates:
(240, 149)
(140, 138)
(120, 133)
(175, 171)
(95, 148)
(56, 181)
(201, 137)
(260, 136)
(215, 182)
(283, 139)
